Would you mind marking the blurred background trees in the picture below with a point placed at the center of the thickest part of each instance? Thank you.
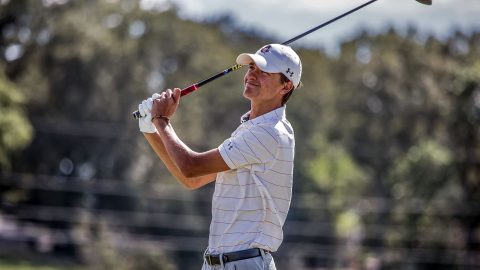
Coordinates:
(387, 166)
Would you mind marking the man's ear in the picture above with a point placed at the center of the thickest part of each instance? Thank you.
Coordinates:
(287, 87)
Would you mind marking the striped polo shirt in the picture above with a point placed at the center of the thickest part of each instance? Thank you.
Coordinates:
(251, 200)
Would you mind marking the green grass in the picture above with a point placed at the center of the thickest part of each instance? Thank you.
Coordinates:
(24, 265)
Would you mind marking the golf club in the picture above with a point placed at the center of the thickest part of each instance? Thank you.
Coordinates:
(196, 86)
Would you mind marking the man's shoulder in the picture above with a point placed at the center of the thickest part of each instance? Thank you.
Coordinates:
(280, 131)
(279, 126)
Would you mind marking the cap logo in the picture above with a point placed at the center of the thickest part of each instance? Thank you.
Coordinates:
(289, 72)
(266, 49)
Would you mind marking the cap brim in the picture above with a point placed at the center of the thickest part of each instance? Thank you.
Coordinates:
(247, 58)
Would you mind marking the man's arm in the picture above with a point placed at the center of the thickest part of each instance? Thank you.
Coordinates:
(191, 183)
(190, 164)
(182, 162)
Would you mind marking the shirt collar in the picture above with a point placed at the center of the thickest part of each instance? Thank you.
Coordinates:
(275, 115)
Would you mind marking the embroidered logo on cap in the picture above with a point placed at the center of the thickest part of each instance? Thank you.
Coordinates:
(266, 49)
(289, 72)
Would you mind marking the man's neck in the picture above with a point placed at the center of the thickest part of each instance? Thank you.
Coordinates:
(257, 110)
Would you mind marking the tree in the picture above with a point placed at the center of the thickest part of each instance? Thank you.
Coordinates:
(16, 130)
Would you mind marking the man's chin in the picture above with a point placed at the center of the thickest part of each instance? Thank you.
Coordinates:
(247, 92)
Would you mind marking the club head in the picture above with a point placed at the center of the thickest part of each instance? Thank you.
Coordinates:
(425, 2)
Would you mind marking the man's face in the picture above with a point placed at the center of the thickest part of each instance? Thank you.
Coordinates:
(262, 86)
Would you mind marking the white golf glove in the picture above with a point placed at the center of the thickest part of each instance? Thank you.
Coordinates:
(145, 108)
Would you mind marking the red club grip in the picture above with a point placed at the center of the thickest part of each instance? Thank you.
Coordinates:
(189, 89)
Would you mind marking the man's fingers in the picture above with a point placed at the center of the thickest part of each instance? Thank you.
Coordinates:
(177, 92)
(149, 104)
(141, 110)
(168, 93)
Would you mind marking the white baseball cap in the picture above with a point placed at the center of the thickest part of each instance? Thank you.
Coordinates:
(275, 58)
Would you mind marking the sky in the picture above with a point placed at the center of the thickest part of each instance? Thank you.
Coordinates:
(284, 19)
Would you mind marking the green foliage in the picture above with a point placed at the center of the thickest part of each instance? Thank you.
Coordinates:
(103, 255)
(335, 172)
(348, 224)
(423, 166)
(15, 129)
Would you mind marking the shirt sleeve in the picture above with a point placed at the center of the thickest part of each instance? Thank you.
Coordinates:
(254, 145)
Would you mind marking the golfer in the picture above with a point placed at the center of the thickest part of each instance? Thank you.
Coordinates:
(252, 170)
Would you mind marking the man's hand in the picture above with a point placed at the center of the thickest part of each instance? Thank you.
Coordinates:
(166, 105)
(145, 121)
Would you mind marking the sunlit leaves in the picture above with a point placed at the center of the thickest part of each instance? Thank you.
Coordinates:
(15, 129)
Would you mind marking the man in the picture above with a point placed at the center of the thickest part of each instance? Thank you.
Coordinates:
(253, 169)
